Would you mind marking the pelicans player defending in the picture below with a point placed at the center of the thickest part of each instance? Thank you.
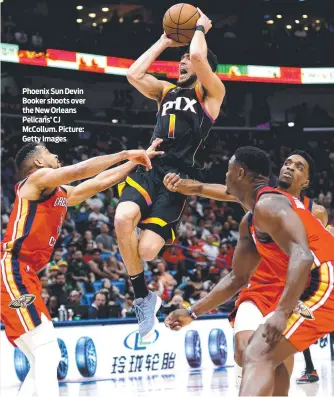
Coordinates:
(298, 251)
(42, 198)
(186, 114)
(254, 301)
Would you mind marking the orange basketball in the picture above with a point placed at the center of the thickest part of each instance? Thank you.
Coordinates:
(179, 22)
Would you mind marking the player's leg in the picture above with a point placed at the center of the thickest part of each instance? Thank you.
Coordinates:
(310, 374)
(247, 320)
(28, 386)
(41, 343)
(260, 363)
(135, 201)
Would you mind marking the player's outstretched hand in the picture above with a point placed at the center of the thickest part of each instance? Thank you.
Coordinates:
(274, 327)
(175, 183)
(178, 319)
(171, 43)
(140, 157)
(204, 21)
(151, 151)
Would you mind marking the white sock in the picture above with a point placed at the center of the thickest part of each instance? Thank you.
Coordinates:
(238, 374)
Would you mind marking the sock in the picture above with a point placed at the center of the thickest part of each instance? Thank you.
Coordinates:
(238, 374)
(139, 285)
(308, 360)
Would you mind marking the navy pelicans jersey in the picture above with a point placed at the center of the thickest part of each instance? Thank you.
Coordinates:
(184, 125)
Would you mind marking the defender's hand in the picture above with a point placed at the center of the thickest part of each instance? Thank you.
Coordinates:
(139, 157)
(175, 183)
(178, 319)
(171, 43)
(151, 151)
(204, 21)
(274, 327)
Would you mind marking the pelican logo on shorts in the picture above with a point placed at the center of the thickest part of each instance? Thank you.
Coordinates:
(22, 302)
(304, 311)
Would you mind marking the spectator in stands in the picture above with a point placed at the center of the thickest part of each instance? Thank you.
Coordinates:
(97, 215)
(226, 232)
(173, 255)
(53, 306)
(45, 295)
(95, 202)
(114, 268)
(128, 307)
(104, 241)
(224, 259)
(212, 279)
(178, 302)
(195, 284)
(97, 308)
(165, 277)
(71, 249)
(69, 223)
(75, 298)
(37, 41)
(56, 257)
(79, 270)
(59, 289)
(21, 37)
(70, 282)
(53, 271)
(98, 265)
(44, 281)
(182, 274)
(157, 286)
(88, 239)
(210, 248)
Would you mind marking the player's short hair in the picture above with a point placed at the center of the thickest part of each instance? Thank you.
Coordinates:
(26, 152)
(254, 159)
(312, 169)
(212, 59)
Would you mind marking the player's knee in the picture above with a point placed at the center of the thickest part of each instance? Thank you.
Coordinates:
(148, 251)
(240, 348)
(125, 219)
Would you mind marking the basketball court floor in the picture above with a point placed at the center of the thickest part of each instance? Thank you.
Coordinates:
(206, 383)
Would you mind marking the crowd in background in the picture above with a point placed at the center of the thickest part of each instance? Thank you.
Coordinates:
(86, 273)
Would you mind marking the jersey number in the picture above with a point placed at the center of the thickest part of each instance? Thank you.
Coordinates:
(171, 129)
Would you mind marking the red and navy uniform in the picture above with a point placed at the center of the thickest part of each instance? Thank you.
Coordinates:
(317, 301)
(32, 231)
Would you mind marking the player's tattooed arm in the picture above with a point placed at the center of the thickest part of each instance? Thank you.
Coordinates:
(275, 217)
(108, 178)
(189, 187)
(245, 261)
(137, 74)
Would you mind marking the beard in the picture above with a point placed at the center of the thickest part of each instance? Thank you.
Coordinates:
(186, 83)
(283, 184)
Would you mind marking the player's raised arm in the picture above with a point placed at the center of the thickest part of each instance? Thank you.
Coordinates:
(245, 261)
(214, 87)
(275, 216)
(50, 177)
(107, 179)
(137, 75)
(189, 187)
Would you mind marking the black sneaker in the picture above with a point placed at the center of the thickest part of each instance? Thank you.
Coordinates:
(308, 377)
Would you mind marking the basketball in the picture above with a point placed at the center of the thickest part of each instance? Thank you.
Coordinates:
(179, 22)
